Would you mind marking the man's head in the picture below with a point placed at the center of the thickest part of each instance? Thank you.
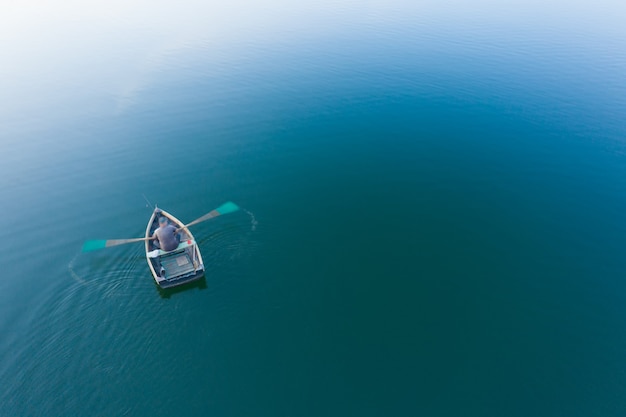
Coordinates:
(162, 221)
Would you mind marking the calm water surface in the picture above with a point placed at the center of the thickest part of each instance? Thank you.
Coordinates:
(433, 208)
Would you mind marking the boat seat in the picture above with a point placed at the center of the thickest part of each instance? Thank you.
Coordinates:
(182, 245)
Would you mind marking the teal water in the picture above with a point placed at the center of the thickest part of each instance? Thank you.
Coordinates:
(432, 219)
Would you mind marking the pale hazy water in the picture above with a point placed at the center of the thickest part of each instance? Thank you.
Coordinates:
(433, 199)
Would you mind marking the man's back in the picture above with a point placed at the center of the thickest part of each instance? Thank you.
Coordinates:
(167, 237)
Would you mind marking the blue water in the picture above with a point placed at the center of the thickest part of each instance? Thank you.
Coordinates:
(432, 208)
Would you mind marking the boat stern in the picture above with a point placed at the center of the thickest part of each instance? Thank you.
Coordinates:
(175, 281)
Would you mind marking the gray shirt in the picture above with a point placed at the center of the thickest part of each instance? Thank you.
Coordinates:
(167, 237)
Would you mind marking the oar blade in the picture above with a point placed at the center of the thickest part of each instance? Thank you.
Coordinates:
(92, 245)
(226, 208)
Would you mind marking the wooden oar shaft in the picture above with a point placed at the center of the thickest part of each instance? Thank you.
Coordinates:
(115, 242)
(91, 245)
(213, 213)
(225, 208)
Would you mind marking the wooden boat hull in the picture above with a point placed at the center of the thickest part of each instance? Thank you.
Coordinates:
(178, 267)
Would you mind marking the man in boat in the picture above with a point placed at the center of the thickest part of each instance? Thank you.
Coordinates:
(166, 236)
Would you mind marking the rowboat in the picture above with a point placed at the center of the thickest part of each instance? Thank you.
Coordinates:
(179, 266)
(169, 268)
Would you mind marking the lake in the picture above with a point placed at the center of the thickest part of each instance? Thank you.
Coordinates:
(432, 208)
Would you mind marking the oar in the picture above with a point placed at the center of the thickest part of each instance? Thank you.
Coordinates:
(91, 245)
(225, 208)
(101, 244)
